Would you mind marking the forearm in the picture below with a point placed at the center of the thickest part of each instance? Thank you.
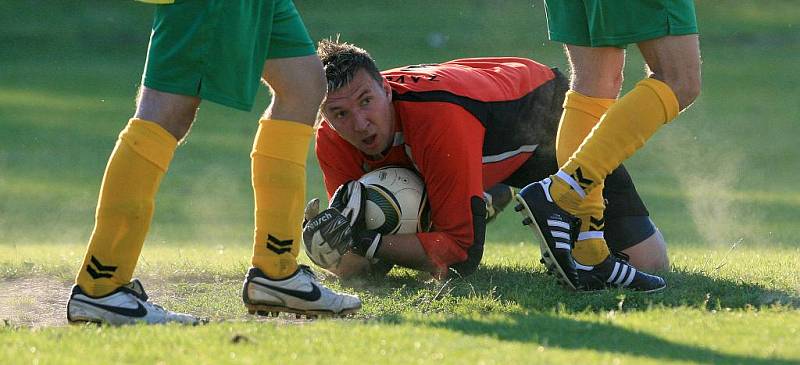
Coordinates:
(405, 250)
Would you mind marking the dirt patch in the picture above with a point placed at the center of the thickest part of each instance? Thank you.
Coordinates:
(42, 302)
(34, 302)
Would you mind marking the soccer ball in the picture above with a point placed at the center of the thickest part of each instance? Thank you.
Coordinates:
(397, 202)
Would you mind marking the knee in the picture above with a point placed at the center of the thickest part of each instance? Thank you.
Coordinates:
(298, 100)
(178, 127)
(649, 255)
(175, 113)
(307, 90)
(685, 85)
(597, 84)
(687, 90)
(653, 263)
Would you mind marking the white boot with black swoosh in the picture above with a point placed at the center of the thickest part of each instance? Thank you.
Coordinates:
(126, 305)
(300, 293)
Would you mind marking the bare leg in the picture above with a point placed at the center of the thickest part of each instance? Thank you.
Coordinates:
(173, 112)
(675, 60)
(126, 204)
(298, 86)
(596, 71)
(650, 254)
(279, 159)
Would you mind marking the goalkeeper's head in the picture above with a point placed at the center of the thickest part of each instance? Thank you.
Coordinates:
(343, 60)
(358, 105)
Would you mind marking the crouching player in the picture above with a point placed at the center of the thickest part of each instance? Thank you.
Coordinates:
(464, 125)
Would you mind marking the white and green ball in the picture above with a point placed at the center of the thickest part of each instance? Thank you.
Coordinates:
(397, 201)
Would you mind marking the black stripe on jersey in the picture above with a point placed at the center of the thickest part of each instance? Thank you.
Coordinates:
(531, 119)
(474, 252)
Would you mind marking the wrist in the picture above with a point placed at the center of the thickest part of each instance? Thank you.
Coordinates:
(367, 244)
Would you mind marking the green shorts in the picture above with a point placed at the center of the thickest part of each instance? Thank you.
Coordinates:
(604, 23)
(215, 49)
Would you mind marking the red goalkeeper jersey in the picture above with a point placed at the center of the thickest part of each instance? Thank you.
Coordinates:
(464, 125)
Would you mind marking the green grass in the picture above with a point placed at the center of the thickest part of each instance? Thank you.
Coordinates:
(723, 173)
(717, 310)
(656, 338)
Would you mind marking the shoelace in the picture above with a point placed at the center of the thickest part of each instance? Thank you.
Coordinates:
(146, 299)
(305, 269)
(310, 273)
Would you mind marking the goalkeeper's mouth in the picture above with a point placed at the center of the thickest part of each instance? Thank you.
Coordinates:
(370, 141)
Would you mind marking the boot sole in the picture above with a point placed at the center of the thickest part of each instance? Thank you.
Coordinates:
(275, 310)
(547, 254)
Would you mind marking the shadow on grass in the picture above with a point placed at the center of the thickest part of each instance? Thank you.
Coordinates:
(533, 290)
(541, 301)
(570, 334)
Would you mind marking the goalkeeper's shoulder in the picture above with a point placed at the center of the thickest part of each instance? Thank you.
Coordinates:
(157, 1)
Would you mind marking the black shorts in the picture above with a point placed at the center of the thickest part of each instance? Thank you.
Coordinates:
(627, 218)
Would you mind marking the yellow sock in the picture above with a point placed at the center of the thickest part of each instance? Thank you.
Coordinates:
(279, 182)
(625, 127)
(581, 114)
(125, 207)
(591, 247)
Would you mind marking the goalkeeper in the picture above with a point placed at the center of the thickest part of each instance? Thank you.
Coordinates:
(465, 126)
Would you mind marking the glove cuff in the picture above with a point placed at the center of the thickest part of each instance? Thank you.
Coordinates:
(368, 244)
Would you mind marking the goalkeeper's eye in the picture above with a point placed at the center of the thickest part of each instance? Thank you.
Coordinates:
(340, 114)
(365, 101)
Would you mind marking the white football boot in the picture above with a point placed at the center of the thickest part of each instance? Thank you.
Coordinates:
(126, 305)
(300, 293)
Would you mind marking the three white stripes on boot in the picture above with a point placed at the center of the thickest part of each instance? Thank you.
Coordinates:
(622, 275)
(560, 234)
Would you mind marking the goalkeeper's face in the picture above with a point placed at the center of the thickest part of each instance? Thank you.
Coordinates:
(362, 113)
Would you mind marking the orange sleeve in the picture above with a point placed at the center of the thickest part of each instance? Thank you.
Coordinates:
(446, 144)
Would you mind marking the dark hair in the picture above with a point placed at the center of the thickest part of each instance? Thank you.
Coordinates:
(343, 60)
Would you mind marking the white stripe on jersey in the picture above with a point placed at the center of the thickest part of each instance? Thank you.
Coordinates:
(509, 154)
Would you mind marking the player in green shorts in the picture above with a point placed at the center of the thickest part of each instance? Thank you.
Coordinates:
(566, 209)
(216, 50)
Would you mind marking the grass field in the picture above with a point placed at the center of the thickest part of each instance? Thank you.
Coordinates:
(720, 183)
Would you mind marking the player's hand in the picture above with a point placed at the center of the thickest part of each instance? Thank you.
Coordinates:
(497, 198)
(326, 235)
(350, 199)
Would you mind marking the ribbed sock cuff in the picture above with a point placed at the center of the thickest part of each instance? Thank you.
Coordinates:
(668, 98)
(150, 141)
(595, 107)
(284, 140)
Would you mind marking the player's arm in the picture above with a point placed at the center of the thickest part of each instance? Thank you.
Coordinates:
(406, 250)
(448, 152)
(367, 245)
